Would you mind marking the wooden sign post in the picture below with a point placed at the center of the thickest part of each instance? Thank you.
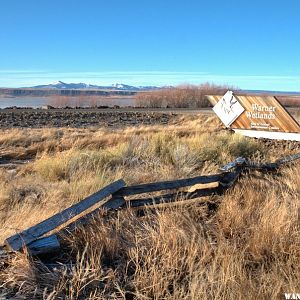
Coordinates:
(256, 116)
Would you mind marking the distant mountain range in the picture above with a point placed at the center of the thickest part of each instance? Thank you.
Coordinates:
(76, 89)
(125, 87)
(271, 92)
(83, 86)
(118, 89)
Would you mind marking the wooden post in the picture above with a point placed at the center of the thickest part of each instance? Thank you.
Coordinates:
(47, 244)
(167, 185)
(17, 241)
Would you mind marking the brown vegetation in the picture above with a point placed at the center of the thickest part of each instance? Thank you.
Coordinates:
(193, 96)
(184, 96)
(289, 101)
(247, 249)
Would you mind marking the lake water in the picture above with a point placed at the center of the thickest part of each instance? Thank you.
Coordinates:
(36, 102)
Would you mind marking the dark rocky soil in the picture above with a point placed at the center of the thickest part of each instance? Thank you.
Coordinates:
(79, 118)
(280, 146)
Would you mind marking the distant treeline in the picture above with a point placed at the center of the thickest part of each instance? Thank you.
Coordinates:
(194, 96)
(289, 101)
(183, 96)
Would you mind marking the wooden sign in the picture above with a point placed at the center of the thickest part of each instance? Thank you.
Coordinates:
(256, 116)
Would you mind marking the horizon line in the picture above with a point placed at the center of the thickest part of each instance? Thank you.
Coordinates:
(27, 78)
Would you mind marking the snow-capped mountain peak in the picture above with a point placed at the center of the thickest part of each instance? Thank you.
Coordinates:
(117, 86)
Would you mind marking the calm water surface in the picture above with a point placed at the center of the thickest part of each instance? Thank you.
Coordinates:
(36, 102)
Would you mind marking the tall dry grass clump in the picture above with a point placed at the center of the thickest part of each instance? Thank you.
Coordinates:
(183, 96)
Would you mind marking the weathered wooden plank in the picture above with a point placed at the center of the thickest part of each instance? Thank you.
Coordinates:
(51, 243)
(200, 186)
(230, 178)
(17, 241)
(169, 198)
(240, 161)
(167, 185)
(275, 165)
(111, 204)
(44, 245)
(288, 159)
(263, 167)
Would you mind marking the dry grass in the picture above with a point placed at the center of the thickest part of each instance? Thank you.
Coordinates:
(247, 249)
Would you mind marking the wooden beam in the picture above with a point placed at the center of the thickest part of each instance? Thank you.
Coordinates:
(167, 185)
(230, 178)
(238, 162)
(115, 203)
(44, 245)
(17, 241)
(169, 198)
(201, 186)
(111, 204)
(242, 163)
(288, 159)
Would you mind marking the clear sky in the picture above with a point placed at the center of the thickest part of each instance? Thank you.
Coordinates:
(251, 44)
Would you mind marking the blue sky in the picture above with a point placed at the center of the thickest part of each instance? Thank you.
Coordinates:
(249, 44)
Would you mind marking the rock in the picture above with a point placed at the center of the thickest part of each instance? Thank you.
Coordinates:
(47, 107)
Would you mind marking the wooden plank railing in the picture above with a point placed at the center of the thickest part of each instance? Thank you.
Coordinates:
(34, 237)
